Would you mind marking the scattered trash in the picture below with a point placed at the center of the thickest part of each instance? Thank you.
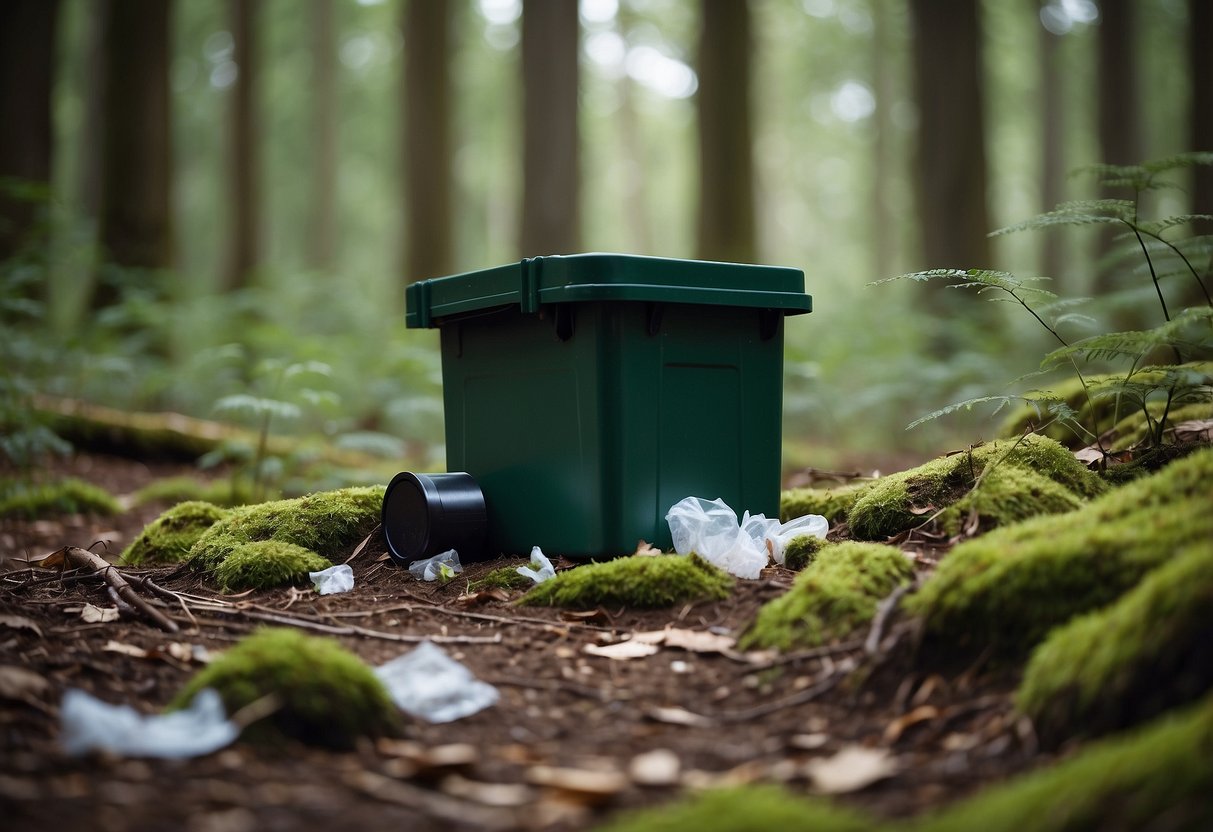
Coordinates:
(742, 548)
(429, 684)
(445, 565)
(541, 568)
(90, 724)
(335, 579)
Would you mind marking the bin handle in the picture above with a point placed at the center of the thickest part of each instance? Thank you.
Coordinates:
(768, 323)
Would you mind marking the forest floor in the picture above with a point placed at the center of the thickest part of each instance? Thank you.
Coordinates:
(574, 738)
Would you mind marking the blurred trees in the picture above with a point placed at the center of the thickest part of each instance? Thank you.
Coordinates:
(322, 203)
(244, 152)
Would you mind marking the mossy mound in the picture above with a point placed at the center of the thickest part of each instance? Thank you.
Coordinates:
(327, 523)
(832, 597)
(183, 489)
(801, 551)
(1006, 495)
(1134, 429)
(169, 538)
(644, 581)
(505, 577)
(326, 695)
(831, 503)
(67, 496)
(1149, 651)
(264, 564)
(900, 501)
(1010, 587)
(743, 809)
(1159, 777)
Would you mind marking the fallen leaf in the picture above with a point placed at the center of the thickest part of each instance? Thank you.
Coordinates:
(696, 641)
(851, 769)
(594, 616)
(483, 596)
(587, 786)
(894, 730)
(659, 767)
(20, 622)
(99, 615)
(678, 716)
(18, 683)
(646, 549)
(1194, 430)
(500, 795)
(112, 646)
(1091, 456)
(622, 650)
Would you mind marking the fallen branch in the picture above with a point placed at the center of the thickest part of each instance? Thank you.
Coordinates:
(351, 630)
(75, 557)
(871, 645)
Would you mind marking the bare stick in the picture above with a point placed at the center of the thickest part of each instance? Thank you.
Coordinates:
(871, 645)
(82, 558)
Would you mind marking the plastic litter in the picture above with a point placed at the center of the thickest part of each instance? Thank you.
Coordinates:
(335, 579)
(89, 724)
(540, 569)
(741, 548)
(429, 684)
(433, 568)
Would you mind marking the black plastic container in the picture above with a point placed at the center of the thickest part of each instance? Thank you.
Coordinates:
(425, 514)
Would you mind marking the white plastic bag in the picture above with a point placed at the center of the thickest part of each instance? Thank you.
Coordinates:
(433, 568)
(429, 684)
(541, 568)
(335, 579)
(89, 724)
(811, 525)
(710, 529)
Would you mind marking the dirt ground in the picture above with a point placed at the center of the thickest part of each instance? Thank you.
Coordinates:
(574, 738)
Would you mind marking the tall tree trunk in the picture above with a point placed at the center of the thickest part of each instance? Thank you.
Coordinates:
(1200, 59)
(322, 225)
(726, 168)
(1052, 155)
(244, 169)
(429, 236)
(551, 178)
(91, 140)
(635, 194)
(27, 59)
(136, 206)
(884, 253)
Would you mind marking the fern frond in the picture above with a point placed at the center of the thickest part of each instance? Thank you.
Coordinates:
(967, 404)
(1155, 227)
(1176, 333)
(922, 277)
(1085, 212)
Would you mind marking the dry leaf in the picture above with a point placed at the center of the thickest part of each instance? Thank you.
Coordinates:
(112, 646)
(18, 683)
(678, 716)
(1090, 457)
(646, 549)
(99, 615)
(20, 622)
(622, 650)
(583, 785)
(483, 596)
(594, 616)
(500, 795)
(851, 769)
(1194, 430)
(659, 767)
(696, 641)
(894, 730)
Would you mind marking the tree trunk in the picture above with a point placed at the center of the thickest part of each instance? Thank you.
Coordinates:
(429, 236)
(1052, 155)
(27, 59)
(884, 253)
(726, 169)
(92, 130)
(1200, 59)
(244, 232)
(136, 208)
(551, 178)
(322, 230)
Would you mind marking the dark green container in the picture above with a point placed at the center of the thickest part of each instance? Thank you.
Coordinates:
(587, 394)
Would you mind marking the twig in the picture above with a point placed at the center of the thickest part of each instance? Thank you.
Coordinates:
(813, 653)
(351, 630)
(83, 558)
(124, 608)
(475, 616)
(871, 645)
(361, 546)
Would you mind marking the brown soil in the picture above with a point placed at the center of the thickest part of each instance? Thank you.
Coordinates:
(728, 718)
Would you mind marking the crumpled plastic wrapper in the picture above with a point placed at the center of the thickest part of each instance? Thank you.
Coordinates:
(335, 579)
(742, 548)
(88, 724)
(432, 569)
(430, 685)
(541, 568)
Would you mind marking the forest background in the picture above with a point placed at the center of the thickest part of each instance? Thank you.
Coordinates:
(199, 194)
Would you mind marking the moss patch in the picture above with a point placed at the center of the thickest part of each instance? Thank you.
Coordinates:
(831, 503)
(327, 695)
(263, 564)
(1008, 588)
(1151, 650)
(900, 501)
(169, 537)
(801, 551)
(67, 496)
(638, 581)
(832, 597)
(505, 577)
(1006, 495)
(743, 809)
(182, 489)
(327, 523)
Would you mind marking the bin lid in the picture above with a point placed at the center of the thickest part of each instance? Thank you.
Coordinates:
(605, 277)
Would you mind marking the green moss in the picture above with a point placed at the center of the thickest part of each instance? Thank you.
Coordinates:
(505, 577)
(1149, 651)
(328, 523)
(1156, 778)
(169, 537)
(1009, 494)
(1134, 429)
(637, 581)
(801, 551)
(742, 809)
(263, 564)
(181, 489)
(832, 597)
(900, 501)
(327, 696)
(66, 496)
(1008, 588)
(831, 503)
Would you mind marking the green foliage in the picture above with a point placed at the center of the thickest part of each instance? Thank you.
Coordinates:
(325, 695)
(169, 538)
(648, 582)
(328, 523)
(504, 577)
(742, 809)
(1008, 588)
(1147, 652)
(831, 503)
(19, 498)
(264, 564)
(183, 488)
(801, 551)
(834, 595)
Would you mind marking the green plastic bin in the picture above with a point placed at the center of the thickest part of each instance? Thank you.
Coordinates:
(587, 394)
